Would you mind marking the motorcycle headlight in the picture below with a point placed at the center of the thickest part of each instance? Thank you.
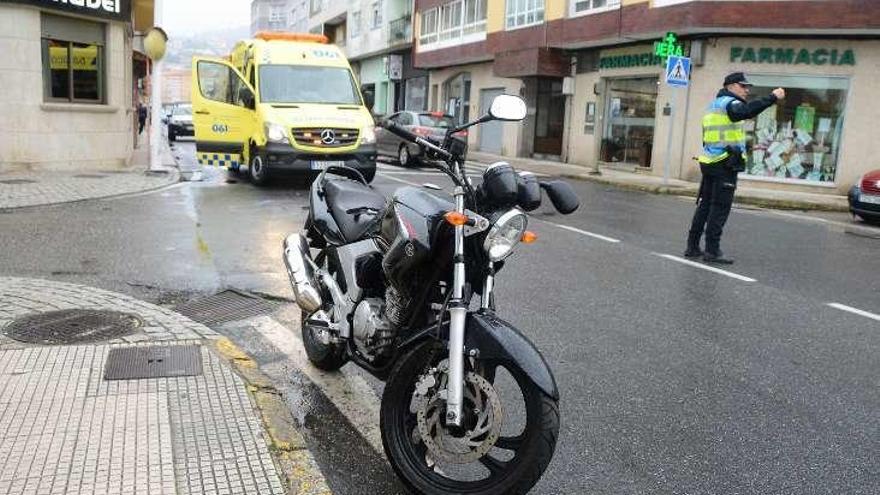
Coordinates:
(368, 135)
(276, 133)
(505, 234)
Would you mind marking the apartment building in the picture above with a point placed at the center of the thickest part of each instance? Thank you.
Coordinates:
(270, 15)
(380, 48)
(596, 93)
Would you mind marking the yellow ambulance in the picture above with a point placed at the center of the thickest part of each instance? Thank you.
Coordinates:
(282, 102)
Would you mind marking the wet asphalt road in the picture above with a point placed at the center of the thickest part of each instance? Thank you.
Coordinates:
(674, 379)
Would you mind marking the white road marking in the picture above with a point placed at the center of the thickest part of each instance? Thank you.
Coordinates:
(706, 267)
(348, 391)
(583, 232)
(399, 180)
(853, 310)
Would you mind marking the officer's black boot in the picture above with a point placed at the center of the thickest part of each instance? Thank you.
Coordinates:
(693, 248)
(716, 256)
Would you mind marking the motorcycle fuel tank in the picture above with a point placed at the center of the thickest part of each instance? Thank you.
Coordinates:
(414, 231)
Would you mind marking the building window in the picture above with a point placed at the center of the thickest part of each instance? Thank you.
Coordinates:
(73, 60)
(450, 21)
(594, 6)
(377, 14)
(316, 6)
(354, 25)
(453, 22)
(524, 13)
(428, 29)
(474, 16)
(276, 16)
(798, 139)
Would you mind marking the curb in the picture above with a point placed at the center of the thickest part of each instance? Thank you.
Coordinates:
(778, 204)
(298, 469)
(171, 182)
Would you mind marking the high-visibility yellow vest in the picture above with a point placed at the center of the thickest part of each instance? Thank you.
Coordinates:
(719, 132)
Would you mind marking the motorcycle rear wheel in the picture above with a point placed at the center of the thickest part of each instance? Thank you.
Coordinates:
(409, 456)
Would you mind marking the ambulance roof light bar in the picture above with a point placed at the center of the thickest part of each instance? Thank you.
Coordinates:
(285, 36)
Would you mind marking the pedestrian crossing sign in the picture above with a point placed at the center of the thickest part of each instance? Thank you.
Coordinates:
(678, 71)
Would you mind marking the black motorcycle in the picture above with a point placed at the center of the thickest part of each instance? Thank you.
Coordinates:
(470, 405)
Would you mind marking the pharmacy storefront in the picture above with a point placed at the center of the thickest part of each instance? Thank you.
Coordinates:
(66, 78)
(821, 137)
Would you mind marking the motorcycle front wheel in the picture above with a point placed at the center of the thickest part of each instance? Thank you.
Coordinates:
(503, 446)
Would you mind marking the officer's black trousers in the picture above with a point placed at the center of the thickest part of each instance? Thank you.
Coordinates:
(713, 208)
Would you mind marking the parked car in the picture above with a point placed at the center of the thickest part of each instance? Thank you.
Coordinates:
(432, 125)
(180, 123)
(864, 197)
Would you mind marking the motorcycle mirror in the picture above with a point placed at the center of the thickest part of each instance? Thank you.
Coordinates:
(435, 187)
(562, 196)
(508, 107)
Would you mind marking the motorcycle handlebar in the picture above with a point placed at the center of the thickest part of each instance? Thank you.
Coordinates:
(400, 131)
(414, 138)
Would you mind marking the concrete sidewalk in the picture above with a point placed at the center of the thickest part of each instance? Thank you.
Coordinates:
(650, 183)
(66, 427)
(38, 188)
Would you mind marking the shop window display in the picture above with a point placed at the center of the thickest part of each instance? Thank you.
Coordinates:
(798, 139)
(629, 121)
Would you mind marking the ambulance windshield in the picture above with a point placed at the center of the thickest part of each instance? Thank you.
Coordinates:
(307, 84)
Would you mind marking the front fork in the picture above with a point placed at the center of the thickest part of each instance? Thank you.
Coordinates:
(458, 308)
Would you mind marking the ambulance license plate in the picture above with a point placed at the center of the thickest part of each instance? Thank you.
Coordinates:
(869, 198)
(321, 165)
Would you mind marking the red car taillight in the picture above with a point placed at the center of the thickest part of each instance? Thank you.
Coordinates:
(870, 184)
(422, 131)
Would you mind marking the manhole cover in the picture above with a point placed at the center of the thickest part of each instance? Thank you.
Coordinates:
(12, 182)
(72, 326)
(130, 363)
(89, 176)
(229, 305)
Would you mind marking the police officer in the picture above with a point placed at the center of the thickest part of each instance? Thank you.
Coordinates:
(723, 157)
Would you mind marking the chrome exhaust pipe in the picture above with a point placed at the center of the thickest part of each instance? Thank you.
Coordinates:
(300, 273)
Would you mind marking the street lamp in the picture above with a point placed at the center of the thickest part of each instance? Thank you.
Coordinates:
(155, 43)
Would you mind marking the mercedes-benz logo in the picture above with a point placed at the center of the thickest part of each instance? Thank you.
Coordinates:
(328, 136)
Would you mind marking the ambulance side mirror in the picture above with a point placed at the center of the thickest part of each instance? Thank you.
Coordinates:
(369, 99)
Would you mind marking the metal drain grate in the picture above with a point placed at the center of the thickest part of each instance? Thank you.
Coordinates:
(229, 305)
(166, 361)
(89, 176)
(72, 326)
(12, 182)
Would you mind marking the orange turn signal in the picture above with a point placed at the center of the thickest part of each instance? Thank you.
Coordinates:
(456, 218)
(529, 237)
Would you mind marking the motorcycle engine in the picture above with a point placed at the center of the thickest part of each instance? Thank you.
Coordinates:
(373, 333)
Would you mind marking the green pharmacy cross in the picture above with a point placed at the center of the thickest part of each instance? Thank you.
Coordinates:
(668, 47)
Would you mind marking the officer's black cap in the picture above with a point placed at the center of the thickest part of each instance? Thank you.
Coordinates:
(736, 78)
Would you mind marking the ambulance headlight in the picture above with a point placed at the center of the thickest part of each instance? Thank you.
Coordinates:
(368, 135)
(276, 133)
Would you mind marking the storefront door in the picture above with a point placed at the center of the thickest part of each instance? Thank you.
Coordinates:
(550, 117)
(630, 110)
(491, 133)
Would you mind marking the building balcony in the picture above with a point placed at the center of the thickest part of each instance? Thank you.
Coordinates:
(400, 30)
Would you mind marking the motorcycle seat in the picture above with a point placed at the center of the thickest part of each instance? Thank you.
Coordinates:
(344, 196)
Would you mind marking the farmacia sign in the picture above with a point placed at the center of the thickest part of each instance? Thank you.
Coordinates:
(791, 56)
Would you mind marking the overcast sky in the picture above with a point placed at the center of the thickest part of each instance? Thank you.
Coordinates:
(187, 16)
